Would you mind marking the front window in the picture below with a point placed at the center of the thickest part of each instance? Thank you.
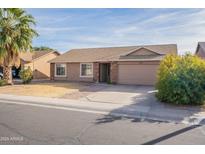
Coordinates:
(60, 69)
(86, 70)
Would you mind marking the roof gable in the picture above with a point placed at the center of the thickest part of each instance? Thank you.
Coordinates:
(39, 54)
(141, 52)
(200, 45)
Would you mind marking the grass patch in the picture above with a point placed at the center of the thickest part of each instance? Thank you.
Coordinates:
(2, 83)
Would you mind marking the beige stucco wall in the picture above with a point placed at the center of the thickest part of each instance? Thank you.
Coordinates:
(73, 73)
(138, 73)
(40, 66)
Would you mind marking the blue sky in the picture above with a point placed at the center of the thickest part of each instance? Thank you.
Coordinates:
(64, 29)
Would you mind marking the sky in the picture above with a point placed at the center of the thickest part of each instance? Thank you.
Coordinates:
(65, 29)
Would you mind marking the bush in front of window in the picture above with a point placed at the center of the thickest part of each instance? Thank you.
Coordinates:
(26, 75)
(181, 80)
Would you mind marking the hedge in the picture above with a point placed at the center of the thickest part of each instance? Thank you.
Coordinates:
(181, 80)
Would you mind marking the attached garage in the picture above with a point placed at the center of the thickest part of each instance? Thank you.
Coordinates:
(138, 74)
(135, 65)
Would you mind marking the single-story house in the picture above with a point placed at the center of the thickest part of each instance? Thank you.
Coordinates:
(124, 65)
(200, 50)
(38, 62)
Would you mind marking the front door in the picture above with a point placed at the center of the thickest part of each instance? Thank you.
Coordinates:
(104, 72)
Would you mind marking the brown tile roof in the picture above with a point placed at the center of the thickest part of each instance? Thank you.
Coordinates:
(26, 56)
(113, 53)
(29, 56)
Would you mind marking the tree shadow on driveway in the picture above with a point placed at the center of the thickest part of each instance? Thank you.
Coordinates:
(148, 109)
(145, 105)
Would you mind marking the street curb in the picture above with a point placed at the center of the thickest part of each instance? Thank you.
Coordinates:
(125, 112)
(109, 113)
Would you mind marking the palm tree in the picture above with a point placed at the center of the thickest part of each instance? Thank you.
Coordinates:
(16, 34)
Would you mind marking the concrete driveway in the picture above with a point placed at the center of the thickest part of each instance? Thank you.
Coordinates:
(120, 94)
(138, 101)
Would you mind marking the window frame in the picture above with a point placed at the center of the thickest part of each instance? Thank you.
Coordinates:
(86, 76)
(56, 75)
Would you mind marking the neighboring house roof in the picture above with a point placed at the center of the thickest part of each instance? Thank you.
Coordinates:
(29, 56)
(115, 54)
(202, 45)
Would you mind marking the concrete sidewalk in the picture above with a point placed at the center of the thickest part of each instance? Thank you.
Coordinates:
(153, 111)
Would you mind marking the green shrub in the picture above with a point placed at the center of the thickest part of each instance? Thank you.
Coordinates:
(181, 80)
(26, 75)
(2, 82)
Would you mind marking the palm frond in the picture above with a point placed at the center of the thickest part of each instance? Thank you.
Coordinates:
(16, 34)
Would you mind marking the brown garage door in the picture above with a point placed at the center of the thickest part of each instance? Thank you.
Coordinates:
(137, 74)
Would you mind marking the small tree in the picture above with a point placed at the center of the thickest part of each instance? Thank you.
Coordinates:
(181, 80)
(26, 75)
(43, 48)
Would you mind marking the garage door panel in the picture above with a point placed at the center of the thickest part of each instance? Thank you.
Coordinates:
(137, 74)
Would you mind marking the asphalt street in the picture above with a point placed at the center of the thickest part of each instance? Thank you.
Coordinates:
(25, 124)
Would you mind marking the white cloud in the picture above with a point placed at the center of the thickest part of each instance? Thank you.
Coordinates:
(56, 29)
(184, 27)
